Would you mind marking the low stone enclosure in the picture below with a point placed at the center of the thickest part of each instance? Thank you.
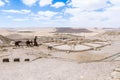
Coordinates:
(78, 47)
(5, 60)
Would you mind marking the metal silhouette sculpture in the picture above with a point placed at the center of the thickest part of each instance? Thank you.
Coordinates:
(29, 43)
(17, 43)
(35, 41)
(50, 47)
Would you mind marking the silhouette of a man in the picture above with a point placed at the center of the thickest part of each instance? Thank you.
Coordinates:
(35, 41)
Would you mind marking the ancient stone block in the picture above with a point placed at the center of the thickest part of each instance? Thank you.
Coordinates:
(27, 60)
(16, 60)
(6, 60)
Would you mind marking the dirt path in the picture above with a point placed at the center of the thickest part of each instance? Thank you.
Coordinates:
(112, 57)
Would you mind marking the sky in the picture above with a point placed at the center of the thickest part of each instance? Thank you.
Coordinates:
(60, 13)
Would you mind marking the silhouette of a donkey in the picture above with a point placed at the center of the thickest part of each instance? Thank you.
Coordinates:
(17, 43)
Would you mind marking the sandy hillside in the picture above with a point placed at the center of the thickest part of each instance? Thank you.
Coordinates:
(26, 32)
(48, 31)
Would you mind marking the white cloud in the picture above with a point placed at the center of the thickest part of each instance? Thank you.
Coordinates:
(17, 11)
(7, 1)
(2, 3)
(115, 2)
(43, 3)
(114, 15)
(29, 2)
(48, 14)
(85, 16)
(82, 13)
(20, 19)
(42, 15)
(25, 11)
(9, 17)
(58, 4)
(73, 11)
(89, 4)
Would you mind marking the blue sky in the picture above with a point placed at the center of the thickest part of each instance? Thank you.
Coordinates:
(59, 13)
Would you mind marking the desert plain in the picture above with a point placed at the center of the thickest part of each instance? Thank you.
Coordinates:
(75, 54)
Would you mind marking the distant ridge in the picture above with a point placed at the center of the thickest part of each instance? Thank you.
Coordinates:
(71, 30)
(14, 36)
(110, 33)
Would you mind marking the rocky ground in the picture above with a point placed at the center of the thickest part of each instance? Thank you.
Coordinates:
(53, 69)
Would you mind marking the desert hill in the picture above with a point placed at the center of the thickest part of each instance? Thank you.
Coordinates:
(71, 30)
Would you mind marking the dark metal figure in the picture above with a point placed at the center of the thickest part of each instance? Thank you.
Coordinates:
(35, 41)
(17, 43)
(28, 43)
(50, 47)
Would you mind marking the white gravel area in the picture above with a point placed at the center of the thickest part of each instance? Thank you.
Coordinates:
(93, 45)
(102, 43)
(76, 48)
(108, 50)
(51, 44)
